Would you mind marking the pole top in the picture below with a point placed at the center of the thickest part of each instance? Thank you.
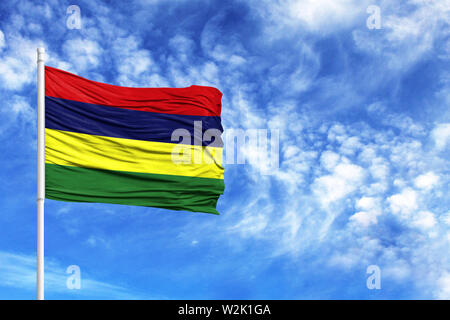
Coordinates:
(40, 54)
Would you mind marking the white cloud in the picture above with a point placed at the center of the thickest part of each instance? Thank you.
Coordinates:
(424, 220)
(379, 168)
(313, 15)
(84, 54)
(441, 135)
(446, 218)
(95, 241)
(426, 181)
(132, 62)
(443, 284)
(2, 40)
(17, 114)
(364, 218)
(346, 178)
(320, 15)
(251, 225)
(403, 203)
(329, 160)
(350, 146)
(21, 107)
(18, 62)
(337, 133)
(408, 34)
(370, 209)
(367, 154)
(183, 47)
(19, 271)
(367, 203)
(395, 120)
(398, 269)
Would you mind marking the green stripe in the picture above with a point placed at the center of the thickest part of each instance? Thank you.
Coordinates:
(76, 184)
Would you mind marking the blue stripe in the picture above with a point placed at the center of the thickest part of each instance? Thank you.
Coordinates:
(74, 116)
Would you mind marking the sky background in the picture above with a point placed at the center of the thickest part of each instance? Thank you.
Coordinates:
(364, 123)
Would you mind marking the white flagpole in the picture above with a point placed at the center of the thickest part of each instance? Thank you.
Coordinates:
(40, 172)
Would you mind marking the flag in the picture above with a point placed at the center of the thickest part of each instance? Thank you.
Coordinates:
(112, 144)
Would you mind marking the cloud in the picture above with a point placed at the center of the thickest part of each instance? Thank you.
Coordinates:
(403, 203)
(18, 62)
(345, 179)
(183, 47)
(251, 225)
(132, 62)
(17, 116)
(424, 219)
(329, 160)
(370, 208)
(84, 54)
(19, 271)
(441, 135)
(444, 287)
(320, 15)
(2, 40)
(426, 181)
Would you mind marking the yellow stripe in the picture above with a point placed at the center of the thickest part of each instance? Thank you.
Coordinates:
(90, 151)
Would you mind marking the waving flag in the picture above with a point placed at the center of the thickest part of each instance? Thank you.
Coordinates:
(112, 144)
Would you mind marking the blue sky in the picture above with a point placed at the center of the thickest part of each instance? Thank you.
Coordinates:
(364, 123)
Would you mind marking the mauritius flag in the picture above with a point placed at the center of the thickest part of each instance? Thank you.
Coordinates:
(111, 144)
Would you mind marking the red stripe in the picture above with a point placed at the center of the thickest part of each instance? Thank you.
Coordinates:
(193, 100)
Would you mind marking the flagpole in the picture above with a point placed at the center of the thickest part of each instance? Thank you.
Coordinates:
(40, 173)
